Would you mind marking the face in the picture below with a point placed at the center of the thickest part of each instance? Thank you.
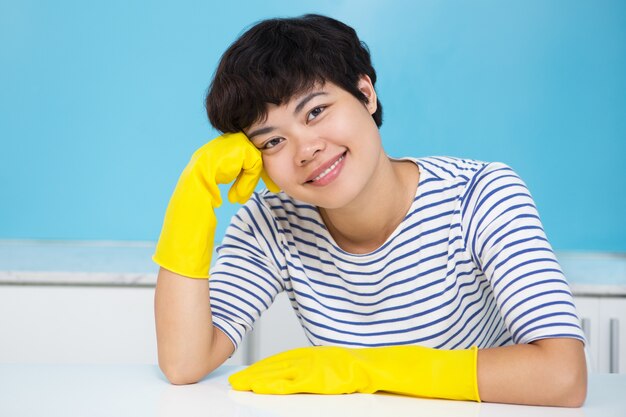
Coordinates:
(323, 146)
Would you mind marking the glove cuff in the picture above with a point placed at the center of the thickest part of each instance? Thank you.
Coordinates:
(422, 371)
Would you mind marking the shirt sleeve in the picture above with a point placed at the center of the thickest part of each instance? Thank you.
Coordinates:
(245, 279)
(506, 239)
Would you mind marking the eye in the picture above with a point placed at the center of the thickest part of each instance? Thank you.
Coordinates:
(315, 112)
(271, 143)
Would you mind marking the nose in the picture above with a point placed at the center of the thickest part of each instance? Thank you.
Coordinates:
(308, 148)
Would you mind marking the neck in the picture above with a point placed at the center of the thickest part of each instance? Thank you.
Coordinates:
(366, 223)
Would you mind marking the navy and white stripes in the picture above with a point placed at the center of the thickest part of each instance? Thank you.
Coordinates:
(468, 265)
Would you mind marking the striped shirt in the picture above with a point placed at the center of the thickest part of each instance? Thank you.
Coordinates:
(468, 265)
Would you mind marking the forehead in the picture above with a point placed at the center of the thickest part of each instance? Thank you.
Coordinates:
(298, 96)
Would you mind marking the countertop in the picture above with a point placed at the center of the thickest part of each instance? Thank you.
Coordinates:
(129, 264)
(141, 390)
(77, 263)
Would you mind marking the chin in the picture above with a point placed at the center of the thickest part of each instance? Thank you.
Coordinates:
(336, 201)
(329, 198)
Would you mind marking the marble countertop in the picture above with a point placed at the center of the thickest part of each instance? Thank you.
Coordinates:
(595, 273)
(77, 263)
(129, 264)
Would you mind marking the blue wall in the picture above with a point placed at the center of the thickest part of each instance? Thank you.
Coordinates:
(101, 103)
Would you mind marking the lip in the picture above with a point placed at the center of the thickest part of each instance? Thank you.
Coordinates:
(324, 167)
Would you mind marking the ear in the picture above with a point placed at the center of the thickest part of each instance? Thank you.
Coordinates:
(367, 88)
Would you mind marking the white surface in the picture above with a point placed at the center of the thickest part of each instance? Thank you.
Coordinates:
(103, 263)
(79, 279)
(594, 267)
(600, 290)
(141, 390)
(77, 256)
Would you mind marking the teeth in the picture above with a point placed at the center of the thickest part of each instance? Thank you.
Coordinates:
(330, 168)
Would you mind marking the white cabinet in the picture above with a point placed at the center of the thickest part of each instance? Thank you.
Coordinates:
(74, 324)
(612, 334)
(604, 322)
(588, 309)
(65, 324)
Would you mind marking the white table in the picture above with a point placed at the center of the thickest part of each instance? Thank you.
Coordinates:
(141, 390)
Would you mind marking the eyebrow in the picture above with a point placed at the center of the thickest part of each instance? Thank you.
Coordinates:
(297, 110)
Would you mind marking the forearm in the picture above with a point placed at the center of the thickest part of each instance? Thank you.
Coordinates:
(549, 372)
(189, 345)
(184, 327)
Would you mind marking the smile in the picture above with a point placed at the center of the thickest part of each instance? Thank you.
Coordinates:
(333, 166)
(330, 173)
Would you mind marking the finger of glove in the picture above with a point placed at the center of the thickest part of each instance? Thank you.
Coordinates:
(271, 185)
(248, 177)
(278, 386)
(243, 380)
(217, 173)
(302, 382)
(244, 186)
(276, 366)
(231, 154)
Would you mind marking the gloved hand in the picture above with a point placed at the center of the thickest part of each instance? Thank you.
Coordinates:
(408, 370)
(186, 242)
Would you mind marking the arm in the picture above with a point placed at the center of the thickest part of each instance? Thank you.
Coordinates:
(550, 372)
(505, 235)
(189, 346)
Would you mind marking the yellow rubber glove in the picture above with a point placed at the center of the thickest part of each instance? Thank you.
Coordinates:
(186, 242)
(407, 370)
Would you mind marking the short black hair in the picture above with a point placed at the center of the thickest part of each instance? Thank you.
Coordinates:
(276, 59)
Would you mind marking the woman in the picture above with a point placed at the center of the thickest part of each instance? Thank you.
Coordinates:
(420, 276)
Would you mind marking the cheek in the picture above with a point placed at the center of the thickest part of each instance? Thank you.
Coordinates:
(353, 122)
(277, 168)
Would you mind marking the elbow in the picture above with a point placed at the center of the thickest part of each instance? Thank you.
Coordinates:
(577, 393)
(565, 373)
(182, 373)
(178, 376)
(572, 387)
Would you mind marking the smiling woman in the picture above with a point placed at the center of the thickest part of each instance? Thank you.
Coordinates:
(425, 276)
